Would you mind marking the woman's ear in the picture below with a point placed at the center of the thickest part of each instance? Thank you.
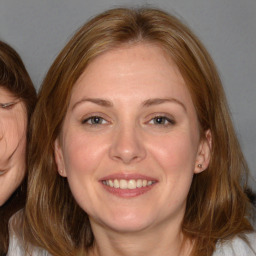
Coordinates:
(59, 158)
(204, 152)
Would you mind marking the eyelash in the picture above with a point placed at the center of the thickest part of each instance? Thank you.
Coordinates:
(8, 105)
(157, 120)
(86, 121)
(162, 118)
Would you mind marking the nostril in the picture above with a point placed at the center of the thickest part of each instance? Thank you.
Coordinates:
(126, 145)
(127, 155)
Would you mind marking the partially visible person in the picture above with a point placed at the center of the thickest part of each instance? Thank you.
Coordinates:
(133, 151)
(17, 101)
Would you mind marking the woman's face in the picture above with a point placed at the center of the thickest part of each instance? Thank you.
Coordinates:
(130, 141)
(13, 125)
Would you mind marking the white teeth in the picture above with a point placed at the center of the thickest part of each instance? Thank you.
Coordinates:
(139, 183)
(123, 184)
(128, 184)
(111, 183)
(116, 183)
(132, 184)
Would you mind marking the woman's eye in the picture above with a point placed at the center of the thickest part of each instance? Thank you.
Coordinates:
(8, 105)
(161, 120)
(94, 120)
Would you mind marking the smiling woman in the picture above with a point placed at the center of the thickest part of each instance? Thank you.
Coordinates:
(17, 100)
(127, 154)
(138, 138)
(13, 120)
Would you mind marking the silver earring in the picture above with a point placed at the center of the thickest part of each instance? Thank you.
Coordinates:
(199, 166)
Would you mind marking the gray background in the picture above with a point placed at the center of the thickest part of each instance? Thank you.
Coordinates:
(39, 29)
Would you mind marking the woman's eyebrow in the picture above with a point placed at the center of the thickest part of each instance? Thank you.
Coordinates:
(101, 102)
(146, 103)
(157, 101)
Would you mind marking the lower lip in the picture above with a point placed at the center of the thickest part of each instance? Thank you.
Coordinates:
(128, 193)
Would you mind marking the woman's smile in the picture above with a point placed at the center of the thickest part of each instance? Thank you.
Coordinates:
(128, 185)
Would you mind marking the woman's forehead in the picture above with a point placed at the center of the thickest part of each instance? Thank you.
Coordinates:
(141, 71)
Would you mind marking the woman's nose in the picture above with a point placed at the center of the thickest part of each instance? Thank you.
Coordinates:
(127, 146)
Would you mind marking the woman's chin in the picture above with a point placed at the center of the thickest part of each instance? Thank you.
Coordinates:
(124, 223)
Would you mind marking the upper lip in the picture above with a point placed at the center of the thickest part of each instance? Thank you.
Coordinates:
(126, 176)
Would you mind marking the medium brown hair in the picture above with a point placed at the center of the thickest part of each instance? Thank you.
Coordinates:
(216, 206)
(15, 78)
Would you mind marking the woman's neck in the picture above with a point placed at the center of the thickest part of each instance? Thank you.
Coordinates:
(156, 242)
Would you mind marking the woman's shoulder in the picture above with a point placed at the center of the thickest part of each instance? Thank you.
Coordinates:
(243, 245)
(17, 246)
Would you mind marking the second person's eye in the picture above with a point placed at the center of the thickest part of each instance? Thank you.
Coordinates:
(7, 105)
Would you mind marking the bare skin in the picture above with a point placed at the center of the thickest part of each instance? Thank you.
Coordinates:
(131, 119)
(13, 125)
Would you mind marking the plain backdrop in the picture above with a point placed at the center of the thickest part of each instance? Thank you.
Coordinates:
(39, 29)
